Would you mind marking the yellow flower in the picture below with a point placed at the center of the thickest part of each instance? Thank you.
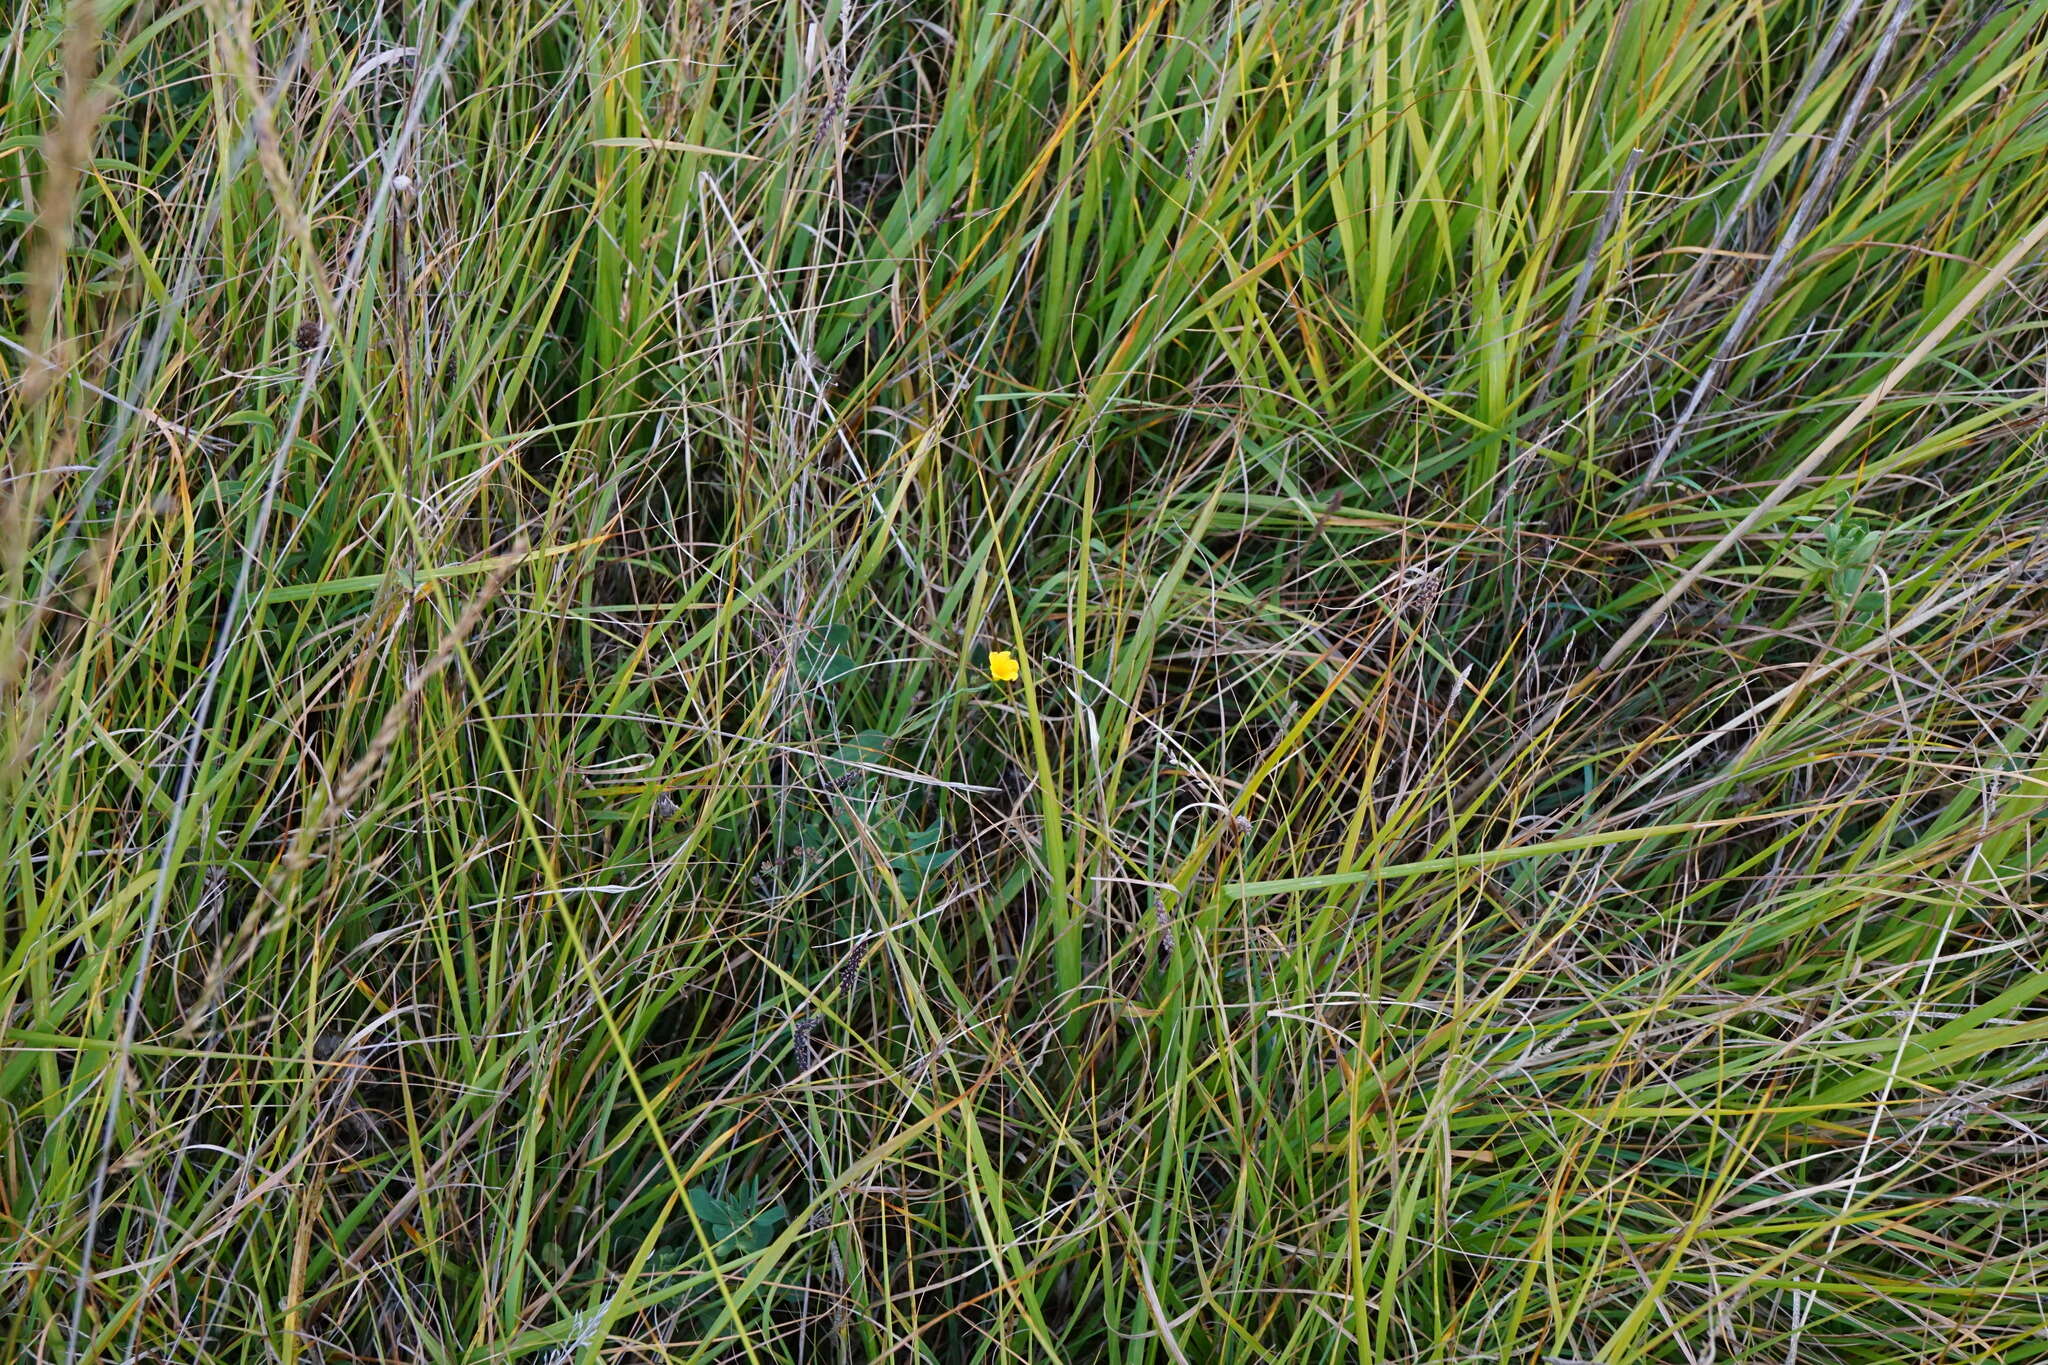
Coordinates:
(1003, 666)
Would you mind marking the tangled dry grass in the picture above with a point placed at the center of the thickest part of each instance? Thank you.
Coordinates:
(1516, 834)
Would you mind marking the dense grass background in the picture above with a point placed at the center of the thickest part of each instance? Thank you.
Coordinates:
(1519, 838)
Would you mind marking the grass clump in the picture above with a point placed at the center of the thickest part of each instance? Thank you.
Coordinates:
(1175, 683)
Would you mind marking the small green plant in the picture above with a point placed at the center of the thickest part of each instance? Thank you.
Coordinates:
(1843, 563)
(736, 1221)
(739, 1220)
(824, 659)
(866, 816)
